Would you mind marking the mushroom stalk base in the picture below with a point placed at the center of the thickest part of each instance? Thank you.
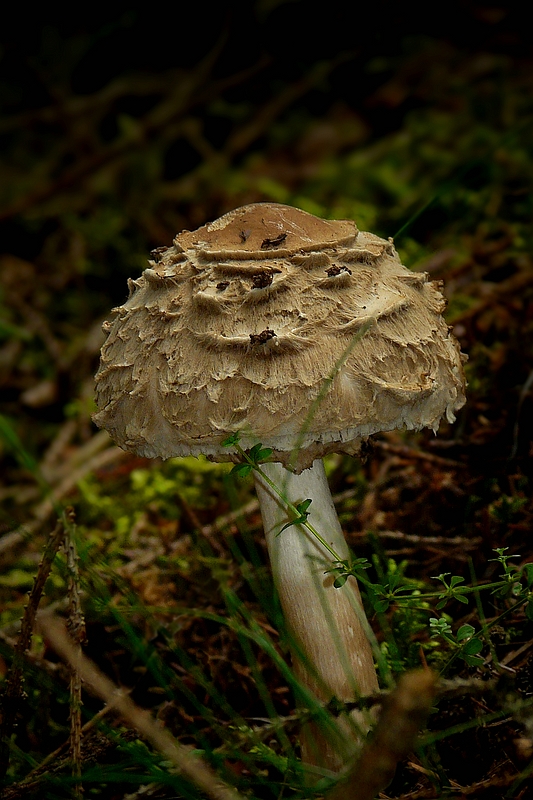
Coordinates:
(330, 650)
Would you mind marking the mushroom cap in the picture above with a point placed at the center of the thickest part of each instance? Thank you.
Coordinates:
(301, 333)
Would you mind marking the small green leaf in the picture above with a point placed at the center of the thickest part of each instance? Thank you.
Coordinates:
(381, 605)
(529, 610)
(301, 508)
(503, 591)
(472, 647)
(242, 470)
(465, 632)
(473, 661)
(527, 570)
(360, 563)
(394, 580)
(259, 453)
(232, 440)
(461, 598)
(339, 581)
(439, 627)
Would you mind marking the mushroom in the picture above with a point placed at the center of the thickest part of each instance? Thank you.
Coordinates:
(307, 336)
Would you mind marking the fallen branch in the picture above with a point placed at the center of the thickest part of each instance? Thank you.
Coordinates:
(192, 767)
(404, 712)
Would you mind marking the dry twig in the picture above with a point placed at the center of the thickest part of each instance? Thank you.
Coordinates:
(403, 713)
(193, 768)
(76, 629)
(14, 683)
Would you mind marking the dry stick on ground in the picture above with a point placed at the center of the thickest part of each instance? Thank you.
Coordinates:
(76, 628)
(13, 690)
(192, 767)
(403, 713)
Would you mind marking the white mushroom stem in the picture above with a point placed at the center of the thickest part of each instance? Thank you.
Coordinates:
(331, 653)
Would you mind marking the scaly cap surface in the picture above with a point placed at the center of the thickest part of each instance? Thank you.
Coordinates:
(292, 330)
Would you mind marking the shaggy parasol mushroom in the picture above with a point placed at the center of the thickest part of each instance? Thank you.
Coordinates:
(307, 336)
